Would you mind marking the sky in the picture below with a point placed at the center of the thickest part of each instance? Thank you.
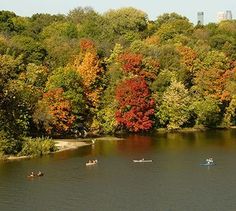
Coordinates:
(153, 8)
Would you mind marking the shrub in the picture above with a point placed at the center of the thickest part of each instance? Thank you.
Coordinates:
(8, 145)
(37, 147)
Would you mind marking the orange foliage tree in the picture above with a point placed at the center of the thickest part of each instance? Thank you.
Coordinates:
(53, 112)
(136, 64)
(211, 78)
(211, 83)
(86, 44)
(188, 56)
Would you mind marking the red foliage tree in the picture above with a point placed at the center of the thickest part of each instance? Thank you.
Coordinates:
(136, 108)
(131, 62)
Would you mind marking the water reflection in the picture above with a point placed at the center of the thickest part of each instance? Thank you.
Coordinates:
(135, 144)
(161, 142)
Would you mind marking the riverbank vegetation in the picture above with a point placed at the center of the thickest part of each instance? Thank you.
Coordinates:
(85, 72)
(25, 147)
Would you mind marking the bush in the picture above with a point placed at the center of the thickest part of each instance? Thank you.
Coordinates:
(37, 147)
(8, 145)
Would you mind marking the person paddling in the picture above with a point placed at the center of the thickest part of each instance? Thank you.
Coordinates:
(32, 174)
(40, 174)
(209, 160)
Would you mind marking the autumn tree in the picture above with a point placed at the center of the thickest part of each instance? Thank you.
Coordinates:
(90, 71)
(53, 113)
(210, 80)
(135, 106)
(229, 78)
(187, 58)
(131, 62)
(229, 94)
(70, 81)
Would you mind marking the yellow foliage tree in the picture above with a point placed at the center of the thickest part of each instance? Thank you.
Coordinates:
(90, 71)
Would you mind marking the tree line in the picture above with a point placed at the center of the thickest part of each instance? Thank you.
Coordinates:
(118, 71)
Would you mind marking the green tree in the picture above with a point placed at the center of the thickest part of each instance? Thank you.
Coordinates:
(168, 17)
(230, 114)
(127, 23)
(60, 41)
(20, 96)
(108, 104)
(207, 111)
(4, 44)
(39, 21)
(31, 50)
(21, 24)
(6, 23)
(171, 29)
(174, 110)
(169, 57)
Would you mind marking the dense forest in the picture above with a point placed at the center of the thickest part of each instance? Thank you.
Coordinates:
(62, 75)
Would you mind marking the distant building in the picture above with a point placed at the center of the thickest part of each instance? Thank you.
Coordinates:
(200, 18)
(228, 15)
(221, 16)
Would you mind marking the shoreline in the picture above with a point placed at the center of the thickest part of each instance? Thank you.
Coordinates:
(61, 144)
(191, 129)
(72, 144)
(64, 145)
(69, 144)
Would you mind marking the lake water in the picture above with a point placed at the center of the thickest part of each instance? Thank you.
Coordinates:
(175, 180)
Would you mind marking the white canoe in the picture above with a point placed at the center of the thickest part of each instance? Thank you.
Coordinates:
(142, 161)
(92, 163)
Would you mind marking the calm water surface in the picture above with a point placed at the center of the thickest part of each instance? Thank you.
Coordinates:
(173, 181)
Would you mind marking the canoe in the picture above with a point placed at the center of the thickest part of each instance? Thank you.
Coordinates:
(142, 161)
(207, 164)
(36, 175)
(90, 164)
(32, 176)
